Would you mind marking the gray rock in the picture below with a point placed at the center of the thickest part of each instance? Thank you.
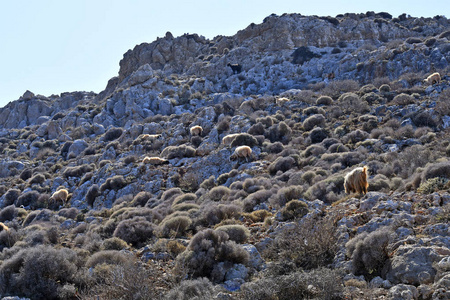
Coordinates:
(77, 147)
(412, 264)
(403, 292)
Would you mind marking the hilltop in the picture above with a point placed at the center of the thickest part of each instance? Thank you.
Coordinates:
(313, 97)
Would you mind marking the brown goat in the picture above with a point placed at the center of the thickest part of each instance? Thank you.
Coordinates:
(60, 196)
(3, 227)
(433, 78)
(356, 181)
(196, 130)
(242, 151)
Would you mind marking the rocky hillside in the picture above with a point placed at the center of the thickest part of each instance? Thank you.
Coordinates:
(315, 97)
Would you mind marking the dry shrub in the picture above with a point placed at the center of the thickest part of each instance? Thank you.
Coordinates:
(282, 164)
(112, 134)
(206, 250)
(403, 99)
(279, 132)
(244, 139)
(135, 231)
(198, 289)
(292, 210)
(286, 194)
(258, 197)
(368, 252)
(182, 151)
(236, 232)
(113, 183)
(77, 171)
(219, 193)
(350, 102)
(212, 214)
(309, 244)
(39, 272)
(126, 279)
(321, 283)
(313, 121)
(114, 243)
(175, 225)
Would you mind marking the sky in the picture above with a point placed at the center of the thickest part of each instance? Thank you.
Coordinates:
(50, 47)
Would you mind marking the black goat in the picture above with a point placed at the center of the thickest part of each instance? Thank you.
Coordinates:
(237, 68)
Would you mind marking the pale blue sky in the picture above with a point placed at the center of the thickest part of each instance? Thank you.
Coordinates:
(50, 47)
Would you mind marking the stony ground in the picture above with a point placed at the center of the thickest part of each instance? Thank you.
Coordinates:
(196, 221)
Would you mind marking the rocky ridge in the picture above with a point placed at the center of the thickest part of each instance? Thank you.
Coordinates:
(355, 96)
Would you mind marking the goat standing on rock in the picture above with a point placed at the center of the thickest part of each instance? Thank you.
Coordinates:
(237, 68)
(356, 181)
(242, 151)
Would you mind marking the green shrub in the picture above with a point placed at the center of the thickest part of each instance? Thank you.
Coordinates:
(324, 100)
(77, 171)
(433, 185)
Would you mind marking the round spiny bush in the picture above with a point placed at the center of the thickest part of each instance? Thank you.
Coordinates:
(308, 176)
(256, 129)
(244, 139)
(433, 185)
(189, 197)
(110, 257)
(175, 226)
(286, 194)
(369, 252)
(237, 233)
(11, 197)
(37, 179)
(135, 231)
(385, 88)
(182, 151)
(282, 164)
(256, 198)
(403, 99)
(318, 134)
(258, 215)
(219, 193)
(91, 194)
(213, 214)
(112, 134)
(276, 147)
(206, 250)
(293, 209)
(141, 199)
(313, 121)
(38, 272)
(113, 183)
(199, 289)
(8, 213)
(114, 243)
(28, 199)
(185, 207)
(324, 100)
(315, 150)
(26, 174)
